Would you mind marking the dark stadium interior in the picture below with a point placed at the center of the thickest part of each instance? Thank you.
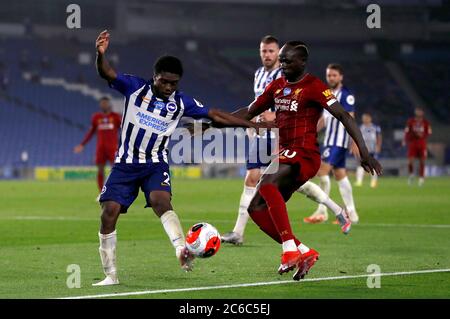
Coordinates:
(48, 92)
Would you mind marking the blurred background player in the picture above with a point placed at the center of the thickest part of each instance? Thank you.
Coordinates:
(105, 124)
(373, 139)
(335, 145)
(263, 146)
(417, 131)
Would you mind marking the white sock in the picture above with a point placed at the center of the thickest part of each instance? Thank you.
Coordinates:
(345, 188)
(246, 197)
(331, 204)
(325, 184)
(374, 178)
(173, 228)
(107, 251)
(289, 245)
(314, 192)
(359, 174)
(303, 249)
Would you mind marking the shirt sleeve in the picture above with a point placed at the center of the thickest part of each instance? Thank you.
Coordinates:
(118, 120)
(126, 83)
(193, 108)
(378, 130)
(265, 101)
(321, 94)
(348, 102)
(91, 131)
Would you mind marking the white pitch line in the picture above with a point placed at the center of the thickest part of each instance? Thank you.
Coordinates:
(255, 284)
(408, 225)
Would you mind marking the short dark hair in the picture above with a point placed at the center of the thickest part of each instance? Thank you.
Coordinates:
(300, 47)
(337, 67)
(170, 64)
(267, 39)
(104, 98)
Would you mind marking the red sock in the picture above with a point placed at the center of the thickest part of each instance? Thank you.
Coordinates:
(100, 177)
(264, 221)
(277, 210)
(410, 168)
(422, 168)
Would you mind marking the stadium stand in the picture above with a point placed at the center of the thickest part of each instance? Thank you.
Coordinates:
(44, 113)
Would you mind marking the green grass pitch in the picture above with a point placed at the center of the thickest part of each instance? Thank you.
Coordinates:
(44, 227)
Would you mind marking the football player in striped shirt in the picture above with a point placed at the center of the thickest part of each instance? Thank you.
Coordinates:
(335, 148)
(372, 136)
(151, 113)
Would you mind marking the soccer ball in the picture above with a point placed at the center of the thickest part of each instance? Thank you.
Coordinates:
(203, 240)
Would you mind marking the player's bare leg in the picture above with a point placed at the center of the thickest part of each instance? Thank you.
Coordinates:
(410, 170)
(108, 239)
(315, 193)
(236, 237)
(421, 171)
(160, 201)
(321, 213)
(100, 179)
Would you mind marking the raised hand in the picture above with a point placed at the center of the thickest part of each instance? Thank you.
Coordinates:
(102, 42)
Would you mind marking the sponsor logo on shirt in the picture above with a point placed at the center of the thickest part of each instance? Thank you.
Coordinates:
(159, 105)
(328, 94)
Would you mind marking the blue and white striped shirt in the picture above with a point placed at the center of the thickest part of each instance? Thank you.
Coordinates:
(148, 121)
(263, 79)
(335, 133)
(370, 134)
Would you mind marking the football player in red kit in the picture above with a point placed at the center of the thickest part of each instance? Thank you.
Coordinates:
(106, 124)
(417, 131)
(299, 99)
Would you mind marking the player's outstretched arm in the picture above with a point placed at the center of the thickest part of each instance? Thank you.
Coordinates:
(104, 69)
(369, 164)
(224, 119)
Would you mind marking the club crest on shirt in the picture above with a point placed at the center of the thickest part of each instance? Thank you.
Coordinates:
(159, 105)
(287, 91)
(171, 107)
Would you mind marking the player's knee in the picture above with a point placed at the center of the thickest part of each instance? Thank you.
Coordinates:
(252, 178)
(160, 205)
(109, 214)
(340, 174)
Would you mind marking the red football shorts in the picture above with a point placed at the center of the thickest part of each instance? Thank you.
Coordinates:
(416, 150)
(308, 161)
(102, 156)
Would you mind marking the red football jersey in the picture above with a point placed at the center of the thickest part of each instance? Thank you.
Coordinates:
(107, 126)
(417, 131)
(298, 108)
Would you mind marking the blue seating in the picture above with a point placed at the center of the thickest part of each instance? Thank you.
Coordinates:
(49, 120)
